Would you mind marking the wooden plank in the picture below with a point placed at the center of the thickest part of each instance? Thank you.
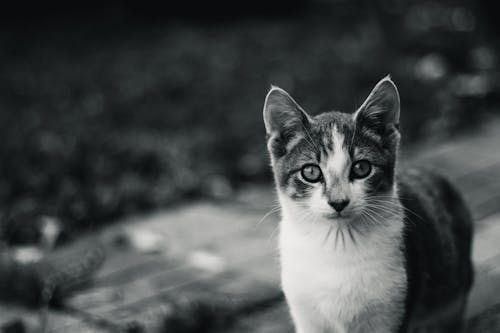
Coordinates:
(486, 254)
(455, 166)
(488, 207)
(119, 260)
(463, 154)
(150, 265)
(126, 286)
(210, 282)
(273, 320)
(485, 322)
(193, 226)
(486, 240)
(475, 180)
(227, 293)
(32, 319)
(101, 300)
(485, 292)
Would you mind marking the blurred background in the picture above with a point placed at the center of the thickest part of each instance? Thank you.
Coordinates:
(112, 110)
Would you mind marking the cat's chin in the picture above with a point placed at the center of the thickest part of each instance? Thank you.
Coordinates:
(338, 217)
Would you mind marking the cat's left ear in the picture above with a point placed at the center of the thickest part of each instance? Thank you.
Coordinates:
(381, 109)
(282, 114)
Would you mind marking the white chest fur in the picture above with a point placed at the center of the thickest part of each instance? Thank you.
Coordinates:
(333, 288)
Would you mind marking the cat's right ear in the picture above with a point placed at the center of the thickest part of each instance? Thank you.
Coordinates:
(282, 115)
(381, 109)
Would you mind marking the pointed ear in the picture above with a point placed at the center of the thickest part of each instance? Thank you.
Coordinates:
(381, 109)
(282, 115)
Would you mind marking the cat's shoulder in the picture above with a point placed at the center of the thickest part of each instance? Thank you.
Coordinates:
(434, 209)
(419, 176)
(430, 189)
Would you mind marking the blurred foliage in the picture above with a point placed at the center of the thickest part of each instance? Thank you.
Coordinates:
(107, 117)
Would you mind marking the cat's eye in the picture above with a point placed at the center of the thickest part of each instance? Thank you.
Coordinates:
(311, 173)
(361, 169)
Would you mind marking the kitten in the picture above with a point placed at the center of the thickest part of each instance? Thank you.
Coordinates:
(364, 248)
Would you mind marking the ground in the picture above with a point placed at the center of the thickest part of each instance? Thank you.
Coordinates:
(214, 264)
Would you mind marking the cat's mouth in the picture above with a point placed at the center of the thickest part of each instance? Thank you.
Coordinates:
(337, 216)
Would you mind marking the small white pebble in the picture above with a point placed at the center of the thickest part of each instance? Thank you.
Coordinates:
(27, 254)
(146, 241)
(206, 261)
(50, 229)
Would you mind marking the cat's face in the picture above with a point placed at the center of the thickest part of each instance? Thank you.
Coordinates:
(334, 166)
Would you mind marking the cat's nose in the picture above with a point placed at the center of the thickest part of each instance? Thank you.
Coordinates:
(339, 205)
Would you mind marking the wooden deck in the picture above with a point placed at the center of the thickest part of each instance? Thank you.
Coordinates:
(215, 263)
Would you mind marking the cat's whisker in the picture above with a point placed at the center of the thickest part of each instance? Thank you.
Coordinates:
(390, 196)
(273, 234)
(269, 213)
(382, 209)
(351, 235)
(384, 206)
(328, 234)
(371, 218)
(355, 228)
(384, 201)
(343, 238)
(353, 134)
(375, 213)
(310, 138)
(395, 205)
(397, 212)
(337, 237)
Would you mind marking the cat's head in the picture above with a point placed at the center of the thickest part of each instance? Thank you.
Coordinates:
(334, 166)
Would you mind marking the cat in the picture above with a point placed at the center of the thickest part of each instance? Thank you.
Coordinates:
(364, 246)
